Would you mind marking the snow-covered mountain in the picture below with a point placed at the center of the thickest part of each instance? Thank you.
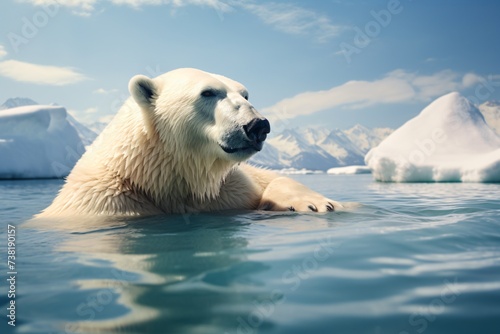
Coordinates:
(491, 113)
(318, 148)
(17, 102)
(364, 138)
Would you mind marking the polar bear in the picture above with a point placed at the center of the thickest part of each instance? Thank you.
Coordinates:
(178, 145)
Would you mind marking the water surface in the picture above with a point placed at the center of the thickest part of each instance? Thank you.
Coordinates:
(413, 258)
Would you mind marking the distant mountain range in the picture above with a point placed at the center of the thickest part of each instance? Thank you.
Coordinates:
(319, 148)
(304, 148)
(17, 102)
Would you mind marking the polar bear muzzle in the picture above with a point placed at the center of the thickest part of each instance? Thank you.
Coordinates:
(257, 131)
(248, 141)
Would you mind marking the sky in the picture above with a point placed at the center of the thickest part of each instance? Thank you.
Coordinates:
(332, 63)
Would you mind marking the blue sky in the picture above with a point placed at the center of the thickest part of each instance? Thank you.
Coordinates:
(332, 63)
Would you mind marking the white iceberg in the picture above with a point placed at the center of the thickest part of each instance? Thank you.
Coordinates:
(448, 141)
(349, 170)
(37, 142)
(302, 171)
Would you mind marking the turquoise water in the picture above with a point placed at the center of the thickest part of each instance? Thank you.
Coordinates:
(413, 258)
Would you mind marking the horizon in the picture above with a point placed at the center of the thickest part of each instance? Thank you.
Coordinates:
(334, 64)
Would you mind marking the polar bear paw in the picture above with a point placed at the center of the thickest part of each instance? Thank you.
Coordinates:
(285, 194)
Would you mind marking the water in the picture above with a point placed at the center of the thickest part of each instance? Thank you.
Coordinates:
(413, 258)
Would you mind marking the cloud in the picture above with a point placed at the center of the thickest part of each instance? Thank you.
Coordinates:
(431, 86)
(395, 87)
(91, 110)
(39, 74)
(292, 19)
(79, 7)
(3, 52)
(86, 116)
(285, 17)
(87, 7)
(471, 79)
(216, 4)
(106, 118)
(103, 91)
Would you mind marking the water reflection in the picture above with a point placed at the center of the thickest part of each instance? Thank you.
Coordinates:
(187, 274)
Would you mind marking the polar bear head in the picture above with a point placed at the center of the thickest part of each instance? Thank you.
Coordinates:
(202, 113)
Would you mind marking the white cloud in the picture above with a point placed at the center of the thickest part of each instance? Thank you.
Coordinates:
(39, 74)
(216, 4)
(106, 118)
(285, 17)
(3, 52)
(471, 79)
(85, 116)
(395, 87)
(87, 7)
(431, 86)
(91, 110)
(292, 19)
(103, 91)
(80, 7)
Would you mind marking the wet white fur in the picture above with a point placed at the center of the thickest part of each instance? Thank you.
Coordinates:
(161, 153)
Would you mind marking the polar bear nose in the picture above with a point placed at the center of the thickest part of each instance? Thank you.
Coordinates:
(257, 129)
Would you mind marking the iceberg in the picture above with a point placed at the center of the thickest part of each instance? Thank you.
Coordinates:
(302, 171)
(37, 141)
(349, 170)
(449, 141)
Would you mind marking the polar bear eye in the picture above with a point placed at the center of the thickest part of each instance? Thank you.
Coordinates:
(208, 93)
(245, 97)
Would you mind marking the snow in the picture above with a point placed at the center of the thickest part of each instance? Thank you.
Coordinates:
(338, 145)
(349, 170)
(17, 102)
(289, 142)
(268, 158)
(37, 142)
(314, 136)
(449, 141)
(318, 148)
(364, 139)
(294, 171)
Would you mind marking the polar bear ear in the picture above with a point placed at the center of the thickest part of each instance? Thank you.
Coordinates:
(143, 90)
